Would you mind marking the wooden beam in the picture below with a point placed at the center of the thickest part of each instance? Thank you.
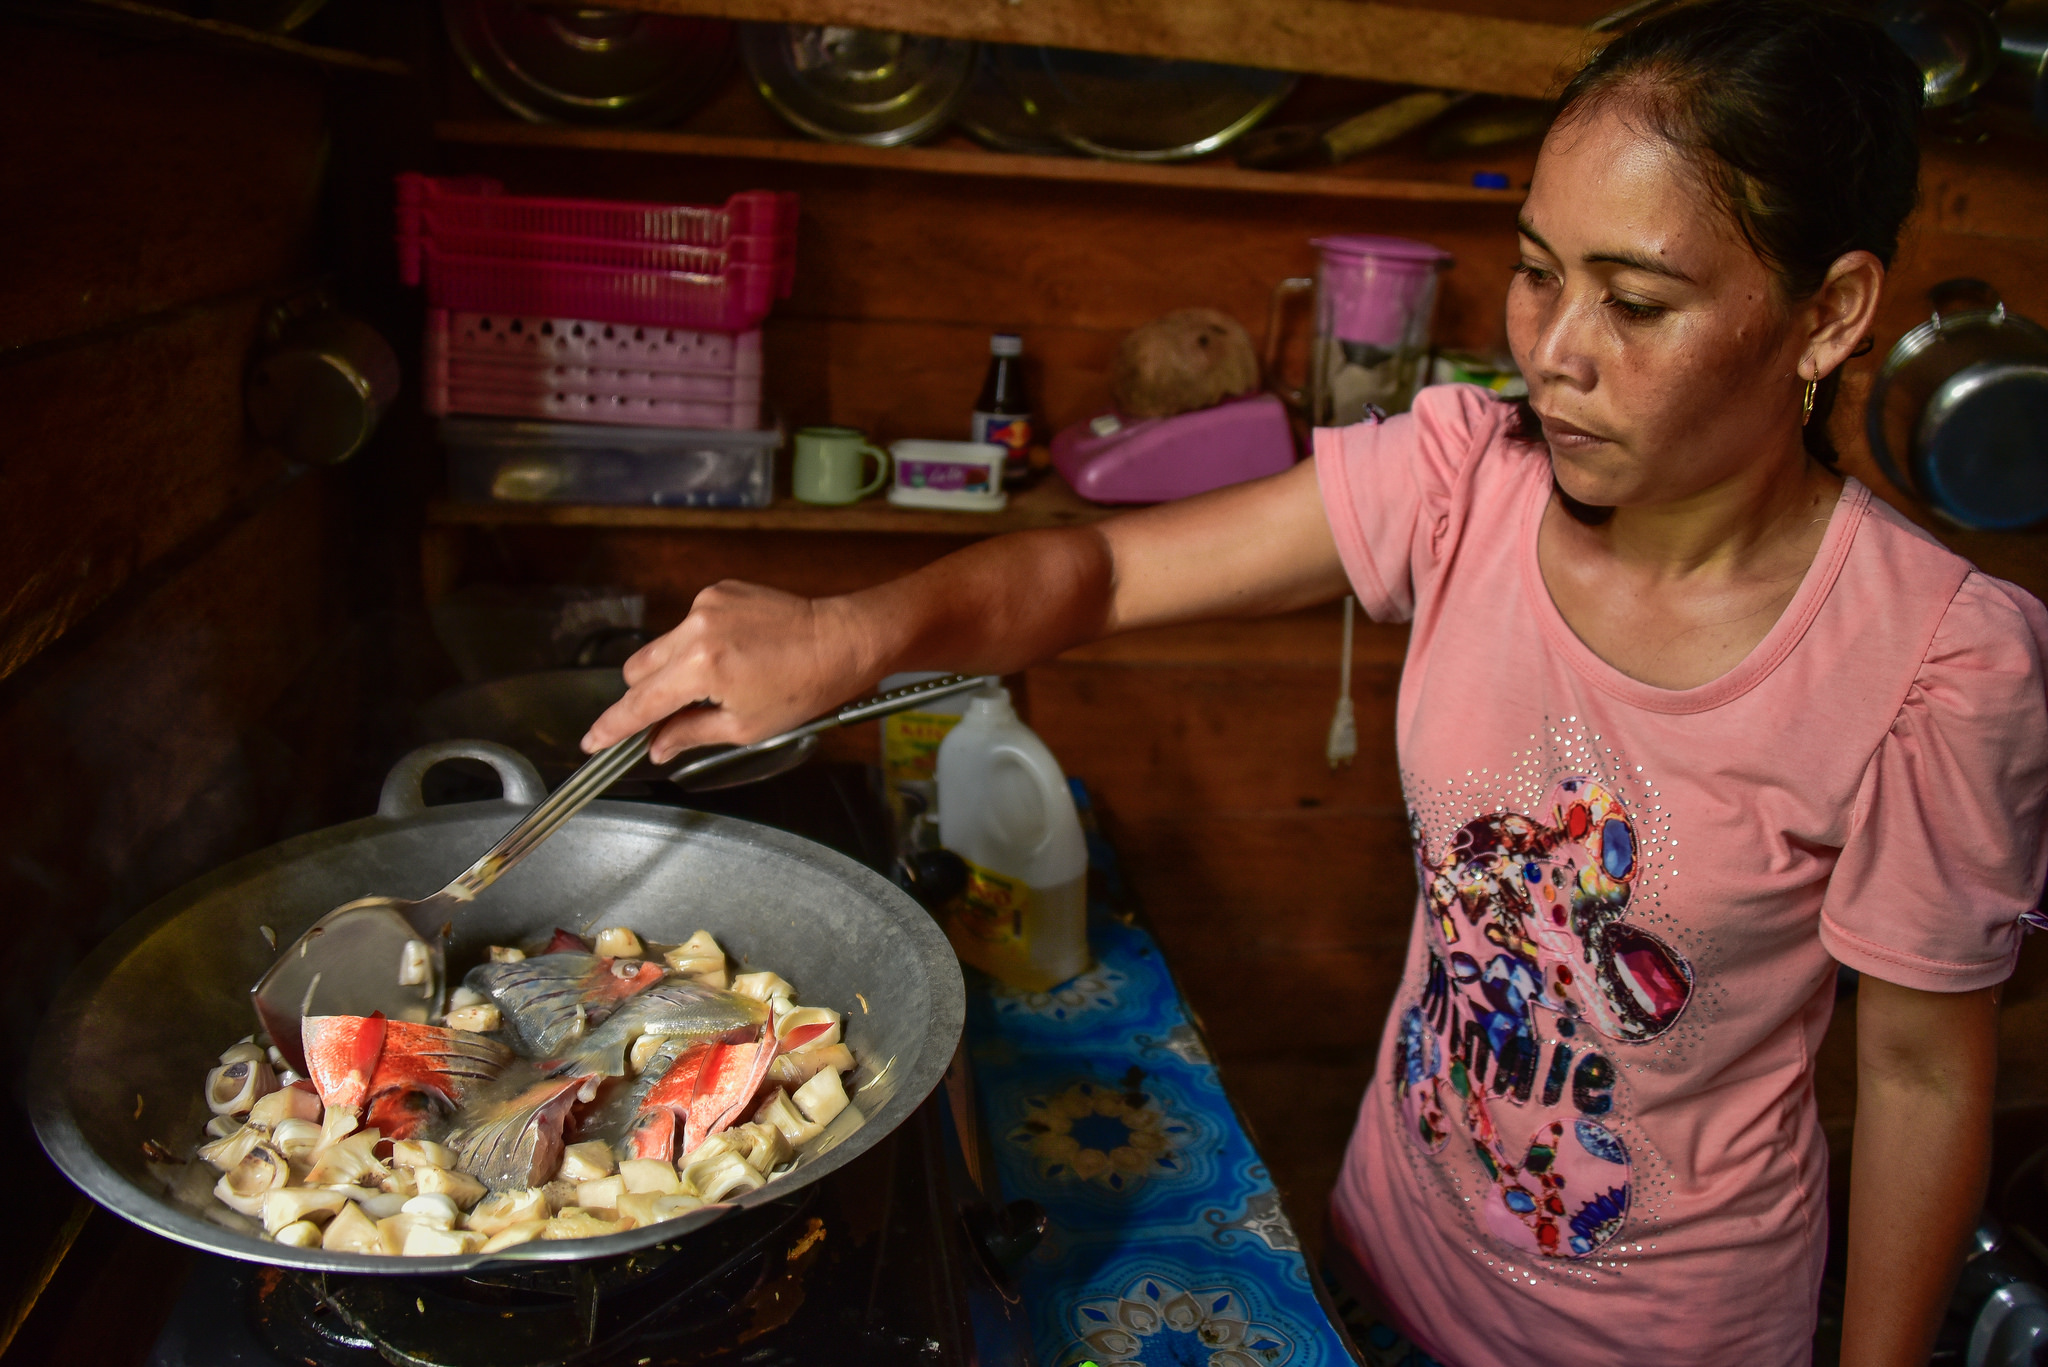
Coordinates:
(968, 161)
(1355, 38)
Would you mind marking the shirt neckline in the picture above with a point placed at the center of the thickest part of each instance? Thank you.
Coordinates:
(1748, 672)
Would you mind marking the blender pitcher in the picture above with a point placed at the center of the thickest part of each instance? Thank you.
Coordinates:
(1374, 299)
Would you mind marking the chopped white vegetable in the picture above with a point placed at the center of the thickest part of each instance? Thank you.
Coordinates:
(602, 1194)
(587, 1162)
(762, 986)
(821, 1098)
(648, 1175)
(617, 942)
(422, 1153)
(458, 1186)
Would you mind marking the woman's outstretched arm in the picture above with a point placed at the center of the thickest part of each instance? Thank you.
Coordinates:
(750, 661)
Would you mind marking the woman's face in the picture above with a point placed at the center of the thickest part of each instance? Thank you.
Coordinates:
(1659, 350)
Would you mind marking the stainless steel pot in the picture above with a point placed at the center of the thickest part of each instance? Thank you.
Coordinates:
(120, 1060)
(1959, 413)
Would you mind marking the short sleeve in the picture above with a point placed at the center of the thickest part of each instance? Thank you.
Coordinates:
(1388, 488)
(1949, 837)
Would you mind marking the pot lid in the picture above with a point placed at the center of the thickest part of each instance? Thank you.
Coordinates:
(551, 64)
(856, 85)
(1355, 245)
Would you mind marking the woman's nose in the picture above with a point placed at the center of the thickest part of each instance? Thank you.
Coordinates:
(1562, 348)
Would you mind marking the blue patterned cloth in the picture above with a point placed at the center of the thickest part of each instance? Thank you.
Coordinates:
(1167, 1245)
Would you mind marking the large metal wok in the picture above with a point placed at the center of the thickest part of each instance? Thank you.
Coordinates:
(123, 1055)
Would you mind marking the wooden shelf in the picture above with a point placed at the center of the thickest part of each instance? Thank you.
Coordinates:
(1050, 503)
(1360, 39)
(969, 161)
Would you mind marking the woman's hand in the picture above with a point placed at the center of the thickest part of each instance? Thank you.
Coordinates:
(1925, 1066)
(747, 662)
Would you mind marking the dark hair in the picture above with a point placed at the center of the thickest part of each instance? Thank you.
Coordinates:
(1801, 121)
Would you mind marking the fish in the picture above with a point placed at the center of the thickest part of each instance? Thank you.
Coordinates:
(660, 1109)
(515, 1139)
(675, 1008)
(706, 1087)
(403, 1075)
(550, 1001)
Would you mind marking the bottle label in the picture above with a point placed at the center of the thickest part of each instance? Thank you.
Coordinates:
(992, 908)
(1012, 433)
(910, 745)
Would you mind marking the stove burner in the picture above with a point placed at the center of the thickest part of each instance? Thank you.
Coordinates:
(708, 1288)
(871, 1266)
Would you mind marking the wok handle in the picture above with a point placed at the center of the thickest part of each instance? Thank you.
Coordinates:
(401, 793)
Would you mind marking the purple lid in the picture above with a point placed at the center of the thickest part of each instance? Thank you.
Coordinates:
(1366, 244)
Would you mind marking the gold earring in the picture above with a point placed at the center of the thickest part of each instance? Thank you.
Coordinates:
(1806, 403)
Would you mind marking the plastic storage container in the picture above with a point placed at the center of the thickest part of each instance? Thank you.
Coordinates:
(664, 265)
(580, 371)
(477, 210)
(1005, 808)
(490, 460)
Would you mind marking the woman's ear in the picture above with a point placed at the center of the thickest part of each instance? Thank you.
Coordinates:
(1842, 312)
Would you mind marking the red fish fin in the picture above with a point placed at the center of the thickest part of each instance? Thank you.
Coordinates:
(567, 942)
(342, 1054)
(799, 1037)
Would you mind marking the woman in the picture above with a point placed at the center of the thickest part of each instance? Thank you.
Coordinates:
(1687, 719)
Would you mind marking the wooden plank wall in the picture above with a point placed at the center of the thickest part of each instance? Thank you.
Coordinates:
(166, 584)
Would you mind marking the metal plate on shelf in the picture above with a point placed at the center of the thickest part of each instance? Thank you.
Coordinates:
(867, 86)
(570, 64)
(993, 117)
(1138, 108)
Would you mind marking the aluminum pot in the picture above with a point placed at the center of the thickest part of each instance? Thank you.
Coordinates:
(1959, 413)
(120, 1060)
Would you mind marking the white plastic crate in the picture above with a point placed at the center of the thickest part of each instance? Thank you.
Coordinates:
(576, 370)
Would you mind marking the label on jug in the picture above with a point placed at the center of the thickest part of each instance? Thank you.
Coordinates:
(910, 745)
(1025, 937)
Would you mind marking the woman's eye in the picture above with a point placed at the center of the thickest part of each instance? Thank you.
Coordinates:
(1634, 312)
(1535, 275)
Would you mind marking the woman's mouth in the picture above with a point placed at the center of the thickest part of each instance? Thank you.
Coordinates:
(1564, 436)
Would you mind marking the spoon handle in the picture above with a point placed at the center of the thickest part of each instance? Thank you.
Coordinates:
(598, 773)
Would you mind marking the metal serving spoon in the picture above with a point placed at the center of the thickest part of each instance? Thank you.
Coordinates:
(385, 953)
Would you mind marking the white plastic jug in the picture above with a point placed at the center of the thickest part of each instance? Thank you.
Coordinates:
(1004, 807)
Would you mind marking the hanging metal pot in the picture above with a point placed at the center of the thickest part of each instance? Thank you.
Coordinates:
(1959, 414)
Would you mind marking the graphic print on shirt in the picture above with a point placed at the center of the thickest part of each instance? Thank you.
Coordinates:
(1533, 972)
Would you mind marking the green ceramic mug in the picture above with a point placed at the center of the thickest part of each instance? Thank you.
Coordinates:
(828, 461)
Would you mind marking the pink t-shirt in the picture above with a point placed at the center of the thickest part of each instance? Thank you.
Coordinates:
(1591, 1138)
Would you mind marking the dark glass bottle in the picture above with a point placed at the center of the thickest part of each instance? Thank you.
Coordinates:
(1003, 412)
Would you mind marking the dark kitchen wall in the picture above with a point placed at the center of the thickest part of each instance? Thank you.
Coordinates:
(184, 615)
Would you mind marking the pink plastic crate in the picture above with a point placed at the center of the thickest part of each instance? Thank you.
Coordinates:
(667, 265)
(431, 206)
(734, 299)
(580, 371)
